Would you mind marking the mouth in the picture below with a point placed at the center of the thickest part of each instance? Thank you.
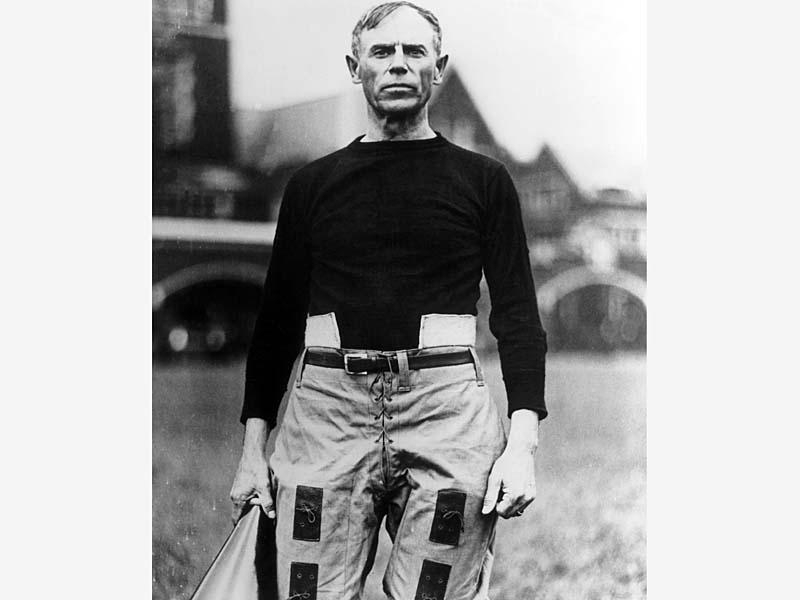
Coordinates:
(397, 87)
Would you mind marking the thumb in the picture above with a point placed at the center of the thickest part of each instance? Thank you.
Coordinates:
(264, 500)
(492, 491)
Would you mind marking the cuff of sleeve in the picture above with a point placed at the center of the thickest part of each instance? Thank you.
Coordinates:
(260, 402)
(527, 392)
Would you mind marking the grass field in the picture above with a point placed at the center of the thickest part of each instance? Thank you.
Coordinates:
(583, 538)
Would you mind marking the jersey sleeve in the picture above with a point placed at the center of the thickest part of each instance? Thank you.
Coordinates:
(514, 318)
(280, 325)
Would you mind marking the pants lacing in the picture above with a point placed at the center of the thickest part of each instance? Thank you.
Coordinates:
(384, 396)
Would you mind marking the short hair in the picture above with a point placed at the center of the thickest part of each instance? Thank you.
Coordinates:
(375, 15)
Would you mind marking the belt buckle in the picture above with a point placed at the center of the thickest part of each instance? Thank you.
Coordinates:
(354, 355)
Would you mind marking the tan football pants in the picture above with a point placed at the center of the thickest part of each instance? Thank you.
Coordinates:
(353, 450)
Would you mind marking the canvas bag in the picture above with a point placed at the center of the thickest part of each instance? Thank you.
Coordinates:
(244, 568)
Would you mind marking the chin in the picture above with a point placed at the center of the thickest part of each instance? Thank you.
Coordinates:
(399, 107)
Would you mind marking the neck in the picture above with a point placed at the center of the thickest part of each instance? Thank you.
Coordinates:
(397, 128)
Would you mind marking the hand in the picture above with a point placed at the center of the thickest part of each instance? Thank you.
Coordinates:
(251, 484)
(513, 473)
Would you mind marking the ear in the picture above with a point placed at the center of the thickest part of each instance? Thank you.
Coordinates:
(352, 66)
(441, 64)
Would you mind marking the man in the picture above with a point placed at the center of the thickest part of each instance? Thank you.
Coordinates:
(374, 280)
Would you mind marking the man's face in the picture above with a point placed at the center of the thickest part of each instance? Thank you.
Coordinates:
(397, 64)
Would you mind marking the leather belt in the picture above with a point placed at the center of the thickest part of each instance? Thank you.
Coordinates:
(359, 363)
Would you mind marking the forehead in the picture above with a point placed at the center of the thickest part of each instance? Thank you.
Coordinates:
(405, 25)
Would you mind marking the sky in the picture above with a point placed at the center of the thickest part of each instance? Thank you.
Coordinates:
(571, 73)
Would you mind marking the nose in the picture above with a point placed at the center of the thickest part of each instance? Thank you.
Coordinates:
(398, 64)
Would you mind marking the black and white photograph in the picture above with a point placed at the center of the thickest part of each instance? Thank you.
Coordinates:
(442, 299)
(399, 300)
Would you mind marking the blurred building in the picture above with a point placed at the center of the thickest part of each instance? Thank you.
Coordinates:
(195, 173)
(191, 99)
(219, 173)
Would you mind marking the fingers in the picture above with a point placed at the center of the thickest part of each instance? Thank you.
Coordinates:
(514, 503)
(239, 495)
(237, 511)
(242, 496)
(506, 504)
(251, 486)
(492, 492)
(264, 500)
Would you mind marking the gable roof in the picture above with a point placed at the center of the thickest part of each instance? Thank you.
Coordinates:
(547, 160)
(455, 114)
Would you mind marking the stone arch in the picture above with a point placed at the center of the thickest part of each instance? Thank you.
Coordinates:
(238, 272)
(573, 279)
